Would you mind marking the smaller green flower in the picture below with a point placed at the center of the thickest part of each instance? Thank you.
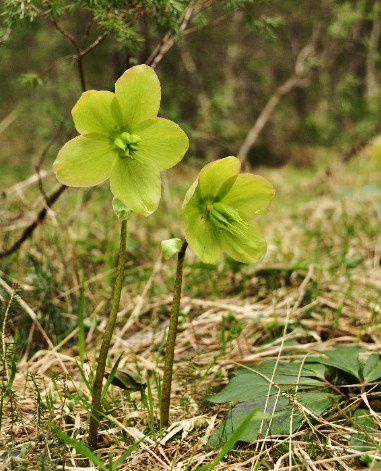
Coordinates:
(122, 139)
(218, 210)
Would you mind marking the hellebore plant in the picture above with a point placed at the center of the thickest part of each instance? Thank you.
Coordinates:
(121, 139)
(218, 212)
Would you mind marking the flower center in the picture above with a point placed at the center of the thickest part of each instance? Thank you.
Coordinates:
(226, 218)
(127, 144)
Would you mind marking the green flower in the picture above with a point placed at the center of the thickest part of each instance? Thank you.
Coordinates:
(218, 210)
(121, 138)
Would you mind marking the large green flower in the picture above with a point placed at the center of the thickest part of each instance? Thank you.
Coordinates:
(121, 138)
(218, 210)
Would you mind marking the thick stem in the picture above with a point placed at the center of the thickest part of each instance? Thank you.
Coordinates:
(171, 340)
(102, 357)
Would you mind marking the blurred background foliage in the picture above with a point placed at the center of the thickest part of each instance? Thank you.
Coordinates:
(228, 60)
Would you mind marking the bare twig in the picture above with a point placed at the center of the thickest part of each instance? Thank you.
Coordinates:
(299, 78)
(170, 39)
(28, 231)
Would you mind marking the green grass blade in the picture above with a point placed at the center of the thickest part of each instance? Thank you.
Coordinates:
(111, 376)
(230, 443)
(80, 448)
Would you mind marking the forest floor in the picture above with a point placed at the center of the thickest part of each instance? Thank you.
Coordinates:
(317, 288)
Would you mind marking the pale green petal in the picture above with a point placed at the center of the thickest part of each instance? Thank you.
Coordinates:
(201, 236)
(249, 247)
(137, 184)
(217, 177)
(138, 92)
(84, 161)
(97, 112)
(162, 141)
(189, 194)
(249, 195)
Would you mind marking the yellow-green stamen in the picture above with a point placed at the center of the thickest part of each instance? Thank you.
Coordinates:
(127, 144)
(226, 218)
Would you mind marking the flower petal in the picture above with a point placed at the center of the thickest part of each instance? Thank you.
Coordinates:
(217, 177)
(97, 111)
(138, 92)
(84, 161)
(249, 247)
(193, 190)
(249, 195)
(201, 237)
(163, 142)
(136, 182)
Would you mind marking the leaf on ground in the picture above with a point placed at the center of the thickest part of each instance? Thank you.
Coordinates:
(365, 437)
(249, 383)
(372, 368)
(344, 358)
(250, 388)
(282, 417)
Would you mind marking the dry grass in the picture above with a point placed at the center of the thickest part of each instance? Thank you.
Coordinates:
(318, 287)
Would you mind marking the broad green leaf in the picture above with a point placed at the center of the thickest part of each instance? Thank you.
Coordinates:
(345, 358)
(162, 141)
(372, 368)
(249, 195)
(201, 236)
(85, 161)
(247, 247)
(136, 183)
(365, 438)
(171, 247)
(278, 415)
(97, 111)
(249, 383)
(138, 92)
(218, 176)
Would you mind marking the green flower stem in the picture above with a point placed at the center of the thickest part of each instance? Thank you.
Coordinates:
(102, 357)
(171, 340)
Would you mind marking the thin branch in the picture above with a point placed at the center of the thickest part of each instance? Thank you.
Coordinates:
(169, 39)
(67, 35)
(92, 46)
(28, 231)
(299, 78)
